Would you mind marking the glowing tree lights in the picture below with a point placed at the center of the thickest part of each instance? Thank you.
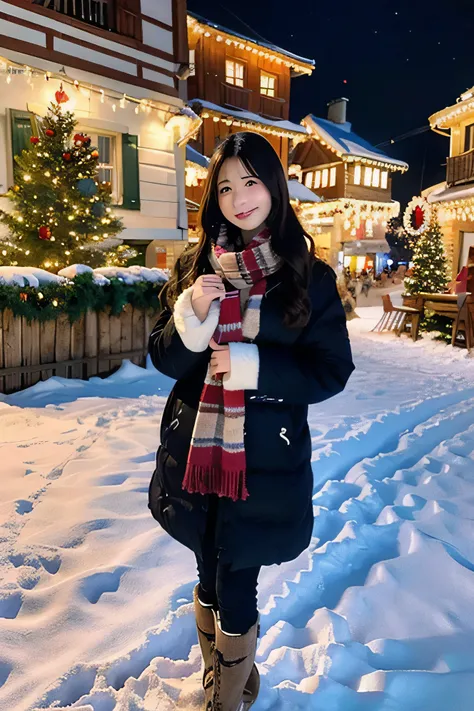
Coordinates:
(61, 212)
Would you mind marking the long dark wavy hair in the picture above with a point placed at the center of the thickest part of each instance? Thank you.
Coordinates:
(289, 239)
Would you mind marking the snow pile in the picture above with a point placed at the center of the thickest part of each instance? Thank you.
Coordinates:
(33, 276)
(375, 615)
(28, 276)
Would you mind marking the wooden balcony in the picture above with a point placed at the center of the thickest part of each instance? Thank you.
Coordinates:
(272, 107)
(460, 169)
(235, 96)
(109, 15)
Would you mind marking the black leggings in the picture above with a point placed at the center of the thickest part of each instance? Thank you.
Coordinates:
(233, 593)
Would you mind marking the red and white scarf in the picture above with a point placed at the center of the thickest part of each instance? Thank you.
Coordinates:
(216, 461)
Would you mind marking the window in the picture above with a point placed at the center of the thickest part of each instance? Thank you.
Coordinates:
(357, 174)
(317, 179)
(368, 177)
(469, 137)
(376, 177)
(384, 180)
(325, 178)
(308, 179)
(332, 177)
(192, 62)
(107, 162)
(267, 84)
(234, 72)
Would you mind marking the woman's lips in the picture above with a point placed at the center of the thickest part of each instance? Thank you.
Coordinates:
(243, 215)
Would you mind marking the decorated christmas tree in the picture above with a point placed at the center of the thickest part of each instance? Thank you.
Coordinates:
(429, 273)
(61, 211)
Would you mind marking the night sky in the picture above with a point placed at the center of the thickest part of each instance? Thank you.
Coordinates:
(396, 61)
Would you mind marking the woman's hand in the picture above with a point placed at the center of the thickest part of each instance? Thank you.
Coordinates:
(220, 359)
(206, 288)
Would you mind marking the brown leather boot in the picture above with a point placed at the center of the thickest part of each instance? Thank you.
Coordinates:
(234, 657)
(206, 635)
(252, 687)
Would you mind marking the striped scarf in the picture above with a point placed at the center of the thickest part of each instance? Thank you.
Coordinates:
(216, 461)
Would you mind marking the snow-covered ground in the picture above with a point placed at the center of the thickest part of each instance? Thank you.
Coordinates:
(376, 615)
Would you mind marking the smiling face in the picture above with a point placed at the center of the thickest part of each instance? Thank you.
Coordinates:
(243, 199)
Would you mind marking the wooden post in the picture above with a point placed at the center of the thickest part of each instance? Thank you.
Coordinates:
(138, 331)
(62, 344)
(47, 336)
(126, 330)
(77, 346)
(91, 341)
(104, 341)
(115, 339)
(30, 346)
(11, 348)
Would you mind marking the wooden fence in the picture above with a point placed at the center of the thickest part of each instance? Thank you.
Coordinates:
(96, 344)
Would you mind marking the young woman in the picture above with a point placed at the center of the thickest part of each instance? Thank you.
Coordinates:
(253, 331)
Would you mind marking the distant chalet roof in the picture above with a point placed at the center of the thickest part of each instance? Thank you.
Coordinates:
(300, 192)
(256, 39)
(248, 117)
(342, 139)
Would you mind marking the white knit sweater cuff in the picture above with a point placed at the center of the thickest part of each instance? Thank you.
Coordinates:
(244, 367)
(194, 333)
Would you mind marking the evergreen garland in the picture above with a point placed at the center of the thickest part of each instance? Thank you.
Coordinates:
(77, 296)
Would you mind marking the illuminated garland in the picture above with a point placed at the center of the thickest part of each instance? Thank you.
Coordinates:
(76, 296)
(354, 212)
(220, 35)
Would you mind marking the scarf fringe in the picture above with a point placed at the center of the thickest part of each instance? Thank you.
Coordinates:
(213, 480)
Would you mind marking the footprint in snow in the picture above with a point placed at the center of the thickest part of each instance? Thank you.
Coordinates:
(5, 671)
(50, 563)
(95, 585)
(10, 605)
(23, 506)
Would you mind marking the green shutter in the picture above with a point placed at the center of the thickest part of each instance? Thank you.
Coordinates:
(131, 183)
(21, 131)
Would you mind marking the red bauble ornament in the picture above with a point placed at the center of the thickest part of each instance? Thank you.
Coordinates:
(61, 96)
(34, 140)
(66, 156)
(44, 232)
(49, 132)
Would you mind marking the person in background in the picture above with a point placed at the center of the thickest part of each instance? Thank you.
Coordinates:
(253, 331)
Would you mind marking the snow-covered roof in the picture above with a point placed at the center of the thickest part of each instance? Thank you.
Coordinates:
(250, 117)
(342, 139)
(195, 157)
(255, 39)
(300, 192)
(444, 194)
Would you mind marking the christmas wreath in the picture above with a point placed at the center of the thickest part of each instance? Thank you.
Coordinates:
(417, 216)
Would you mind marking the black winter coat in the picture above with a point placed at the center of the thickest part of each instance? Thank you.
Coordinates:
(297, 367)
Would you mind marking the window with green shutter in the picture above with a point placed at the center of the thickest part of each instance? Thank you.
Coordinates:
(22, 130)
(131, 182)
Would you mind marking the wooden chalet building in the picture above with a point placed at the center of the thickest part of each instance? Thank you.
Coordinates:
(124, 65)
(454, 197)
(353, 179)
(237, 83)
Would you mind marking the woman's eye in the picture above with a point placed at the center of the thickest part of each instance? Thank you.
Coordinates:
(221, 191)
(252, 182)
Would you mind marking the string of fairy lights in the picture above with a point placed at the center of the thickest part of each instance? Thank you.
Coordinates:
(14, 71)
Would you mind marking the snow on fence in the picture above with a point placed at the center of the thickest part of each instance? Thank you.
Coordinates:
(95, 344)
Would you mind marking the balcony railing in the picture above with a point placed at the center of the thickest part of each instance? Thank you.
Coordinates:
(272, 107)
(460, 169)
(107, 14)
(236, 96)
